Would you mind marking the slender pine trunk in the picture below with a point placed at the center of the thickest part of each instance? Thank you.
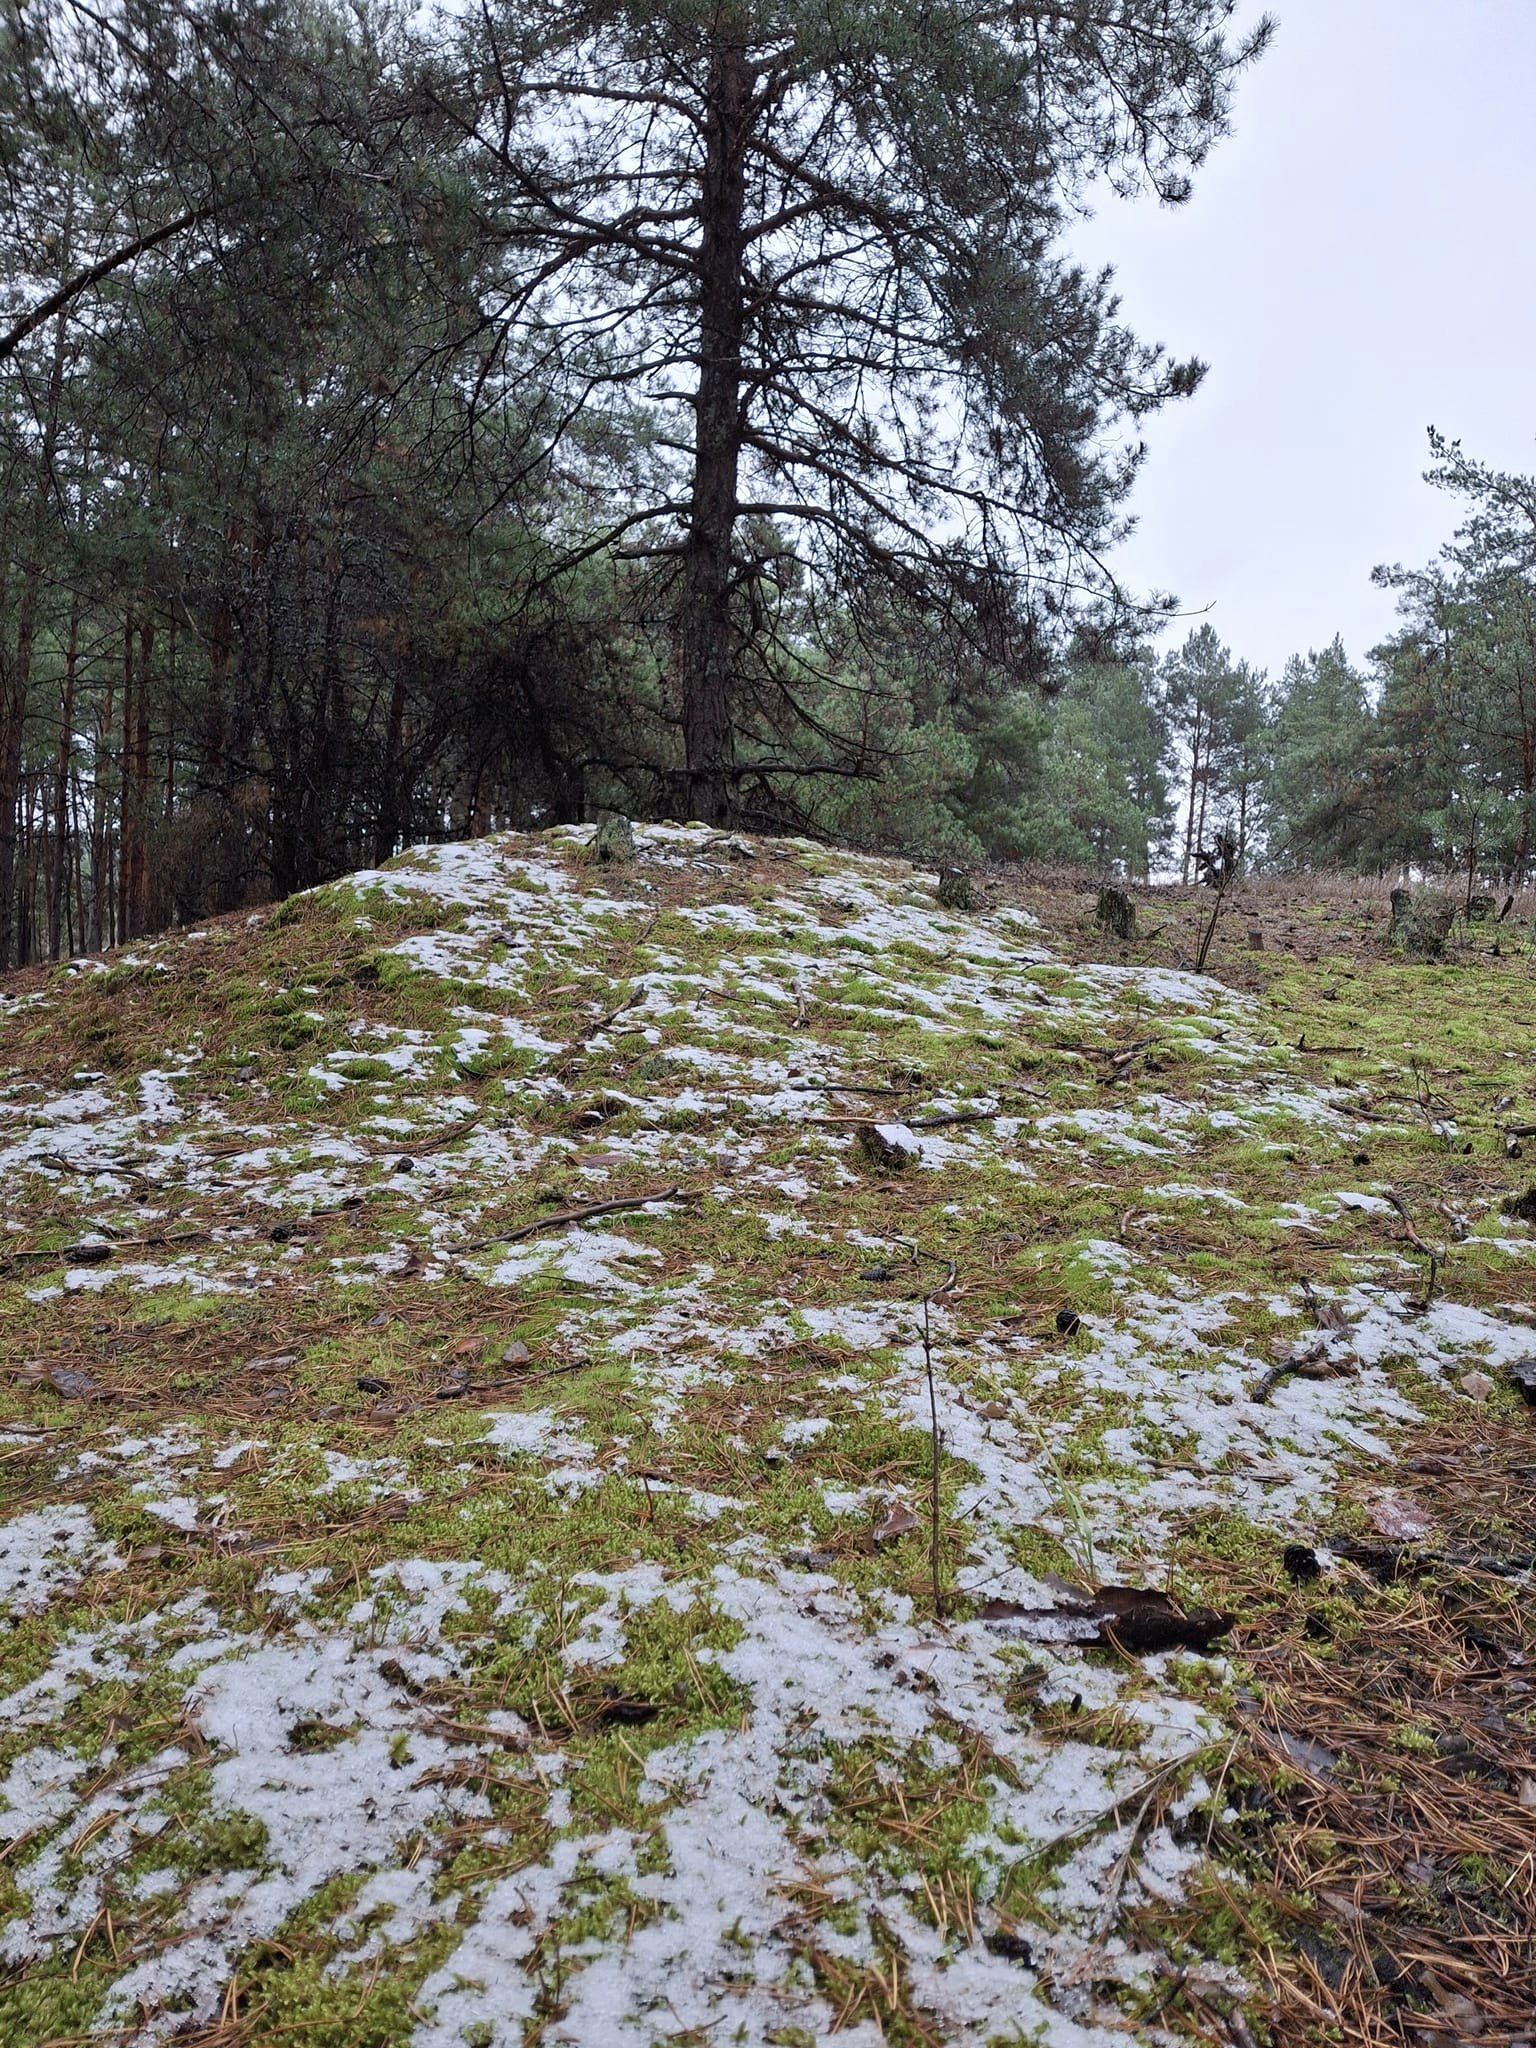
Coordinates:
(13, 700)
(1194, 784)
(387, 821)
(100, 930)
(1205, 792)
(1242, 816)
(77, 930)
(59, 901)
(139, 900)
(707, 640)
(26, 894)
(127, 824)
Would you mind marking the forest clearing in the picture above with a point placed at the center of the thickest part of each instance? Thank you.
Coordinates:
(767, 1024)
(489, 1556)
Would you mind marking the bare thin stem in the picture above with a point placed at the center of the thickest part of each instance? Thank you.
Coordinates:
(1210, 932)
(933, 1493)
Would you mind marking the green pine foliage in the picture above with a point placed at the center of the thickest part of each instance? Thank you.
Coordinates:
(413, 423)
(1318, 734)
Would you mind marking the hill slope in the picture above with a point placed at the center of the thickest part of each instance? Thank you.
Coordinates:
(468, 1459)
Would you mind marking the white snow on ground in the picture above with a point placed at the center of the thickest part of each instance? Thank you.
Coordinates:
(318, 1739)
(46, 1553)
(586, 1258)
(741, 1054)
(741, 1817)
(346, 1806)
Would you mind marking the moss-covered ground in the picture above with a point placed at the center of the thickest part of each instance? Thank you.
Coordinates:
(489, 1558)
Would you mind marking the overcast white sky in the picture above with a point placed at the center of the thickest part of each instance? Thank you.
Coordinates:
(1358, 262)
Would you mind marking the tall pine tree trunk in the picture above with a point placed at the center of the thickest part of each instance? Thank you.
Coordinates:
(58, 908)
(35, 842)
(100, 929)
(1242, 814)
(79, 931)
(707, 640)
(1205, 791)
(13, 713)
(1194, 784)
(127, 824)
(133, 861)
(386, 830)
(13, 699)
(138, 900)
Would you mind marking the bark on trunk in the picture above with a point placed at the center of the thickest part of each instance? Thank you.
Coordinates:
(386, 831)
(100, 929)
(127, 832)
(12, 724)
(1205, 791)
(707, 641)
(1194, 784)
(1242, 816)
(59, 903)
(138, 897)
(13, 701)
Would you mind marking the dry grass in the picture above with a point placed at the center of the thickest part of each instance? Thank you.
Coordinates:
(1379, 1811)
(1299, 918)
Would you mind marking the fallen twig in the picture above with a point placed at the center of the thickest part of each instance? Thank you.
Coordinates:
(559, 1218)
(631, 997)
(94, 1168)
(1143, 1791)
(433, 1143)
(1314, 1361)
(938, 1120)
(853, 1088)
(1121, 1061)
(918, 1123)
(82, 1253)
(1435, 1257)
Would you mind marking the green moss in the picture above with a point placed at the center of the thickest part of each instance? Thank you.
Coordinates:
(362, 1067)
(1016, 1216)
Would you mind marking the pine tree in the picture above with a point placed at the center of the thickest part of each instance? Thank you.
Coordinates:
(1216, 716)
(804, 261)
(1318, 758)
(1469, 638)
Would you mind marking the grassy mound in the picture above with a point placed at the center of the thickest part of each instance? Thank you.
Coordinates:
(475, 1563)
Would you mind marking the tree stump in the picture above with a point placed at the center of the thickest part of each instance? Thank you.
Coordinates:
(1422, 922)
(957, 890)
(1115, 912)
(614, 842)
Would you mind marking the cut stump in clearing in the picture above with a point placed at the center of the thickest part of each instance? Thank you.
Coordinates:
(1422, 921)
(1115, 913)
(957, 889)
(613, 843)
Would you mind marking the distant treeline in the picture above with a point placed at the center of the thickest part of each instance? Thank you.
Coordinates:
(1423, 761)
